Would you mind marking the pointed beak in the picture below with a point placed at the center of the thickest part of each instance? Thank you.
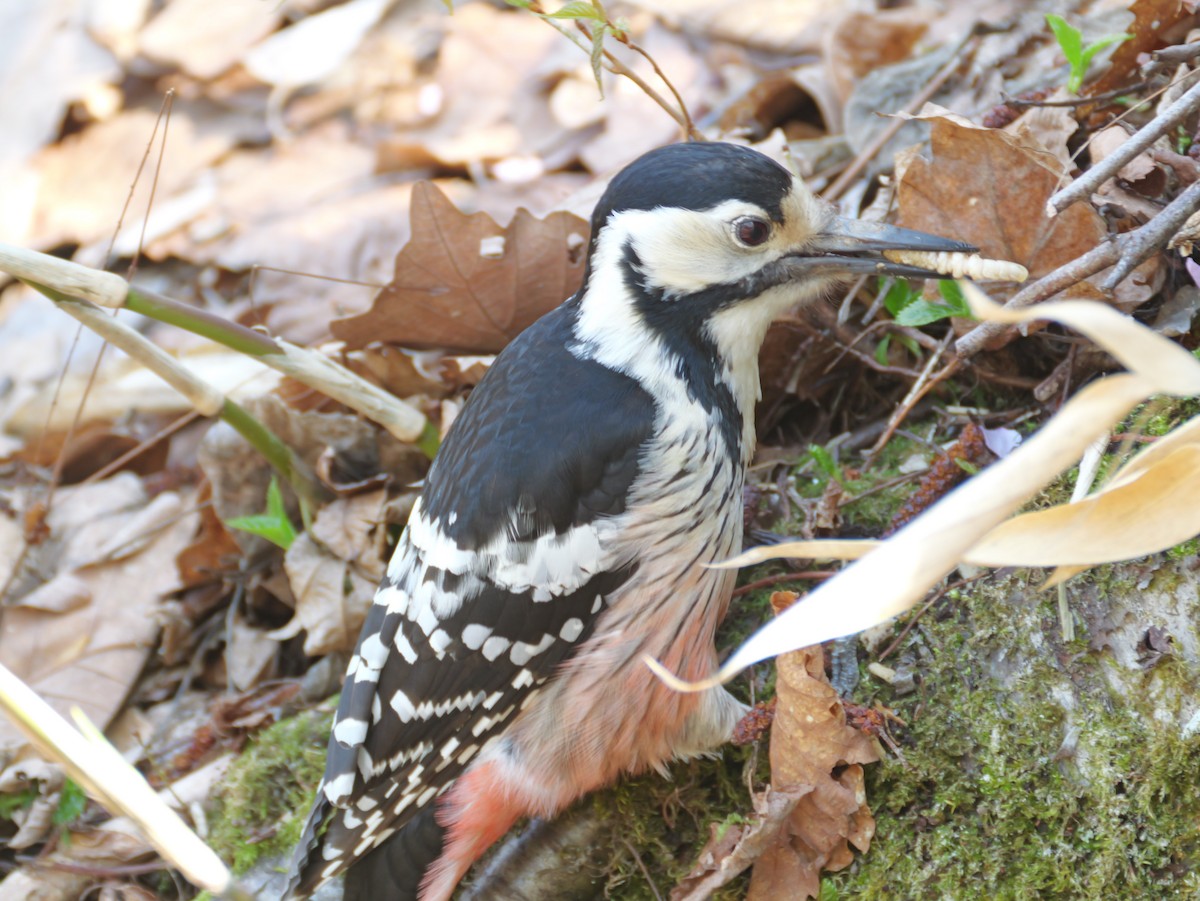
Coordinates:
(850, 247)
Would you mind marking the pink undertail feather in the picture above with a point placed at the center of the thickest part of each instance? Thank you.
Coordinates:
(475, 812)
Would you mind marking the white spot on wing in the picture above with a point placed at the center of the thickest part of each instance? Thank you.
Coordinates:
(350, 731)
(571, 629)
(439, 641)
(403, 705)
(474, 635)
(404, 646)
(393, 598)
(522, 652)
(495, 646)
(372, 652)
(339, 787)
(523, 679)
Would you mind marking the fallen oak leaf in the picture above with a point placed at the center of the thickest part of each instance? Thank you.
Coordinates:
(464, 284)
(812, 744)
(732, 848)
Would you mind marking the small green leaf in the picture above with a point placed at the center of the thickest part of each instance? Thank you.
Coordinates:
(578, 9)
(71, 804)
(825, 462)
(881, 350)
(1095, 47)
(899, 295)
(22, 800)
(922, 312)
(274, 525)
(1069, 38)
(951, 292)
(598, 32)
(910, 344)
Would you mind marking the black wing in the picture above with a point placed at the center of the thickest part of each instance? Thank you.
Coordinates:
(502, 571)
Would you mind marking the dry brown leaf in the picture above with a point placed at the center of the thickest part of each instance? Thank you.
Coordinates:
(811, 744)
(48, 59)
(203, 38)
(333, 570)
(345, 527)
(249, 654)
(332, 598)
(731, 849)
(989, 188)
(462, 283)
(85, 178)
(1048, 128)
(89, 654)
(781, 26)
(1154, 26)
(861, 42)
(487, 110)
(212, 552)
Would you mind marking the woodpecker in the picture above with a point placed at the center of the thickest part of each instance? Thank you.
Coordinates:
(563, 530)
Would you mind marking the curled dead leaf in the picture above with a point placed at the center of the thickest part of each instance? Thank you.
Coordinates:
(464, 284)
(811, 744)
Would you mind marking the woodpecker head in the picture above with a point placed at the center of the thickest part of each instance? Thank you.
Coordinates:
(695, 250)
(698, 231)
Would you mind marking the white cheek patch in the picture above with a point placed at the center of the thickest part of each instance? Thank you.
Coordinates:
(960, 265)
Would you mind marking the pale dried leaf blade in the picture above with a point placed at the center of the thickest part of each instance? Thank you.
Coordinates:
(1156, 510)
(893, 577)
(831, 549)
(812, 744)
(464, 284)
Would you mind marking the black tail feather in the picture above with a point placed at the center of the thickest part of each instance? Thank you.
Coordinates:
(394, 870)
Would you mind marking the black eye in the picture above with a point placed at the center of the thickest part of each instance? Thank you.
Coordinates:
(751, 231)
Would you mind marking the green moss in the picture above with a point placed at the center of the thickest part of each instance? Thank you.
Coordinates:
(667, 822)
(1033, 769)
(265, 797)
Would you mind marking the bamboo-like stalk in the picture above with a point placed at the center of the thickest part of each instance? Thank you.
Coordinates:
(91, 761)
(207, 400)
(311, 367)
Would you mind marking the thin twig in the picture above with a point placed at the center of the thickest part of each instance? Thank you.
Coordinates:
(642, 866)
(922, 386)
(1091, 180)
(688, 125)
(868, 153)
(1170, 57)
(1146, 241)
(141, 447)
(614, 65)
(1127, 252)
(1018, 103)
(1098, 258)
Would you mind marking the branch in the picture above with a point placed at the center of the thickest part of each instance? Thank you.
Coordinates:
(1091, 180)
(70, 280)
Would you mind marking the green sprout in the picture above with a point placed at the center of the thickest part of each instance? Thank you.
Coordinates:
(1078, 56)
(272, 525)
(909, 308)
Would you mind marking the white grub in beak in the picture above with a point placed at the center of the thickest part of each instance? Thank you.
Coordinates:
(960, 265)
